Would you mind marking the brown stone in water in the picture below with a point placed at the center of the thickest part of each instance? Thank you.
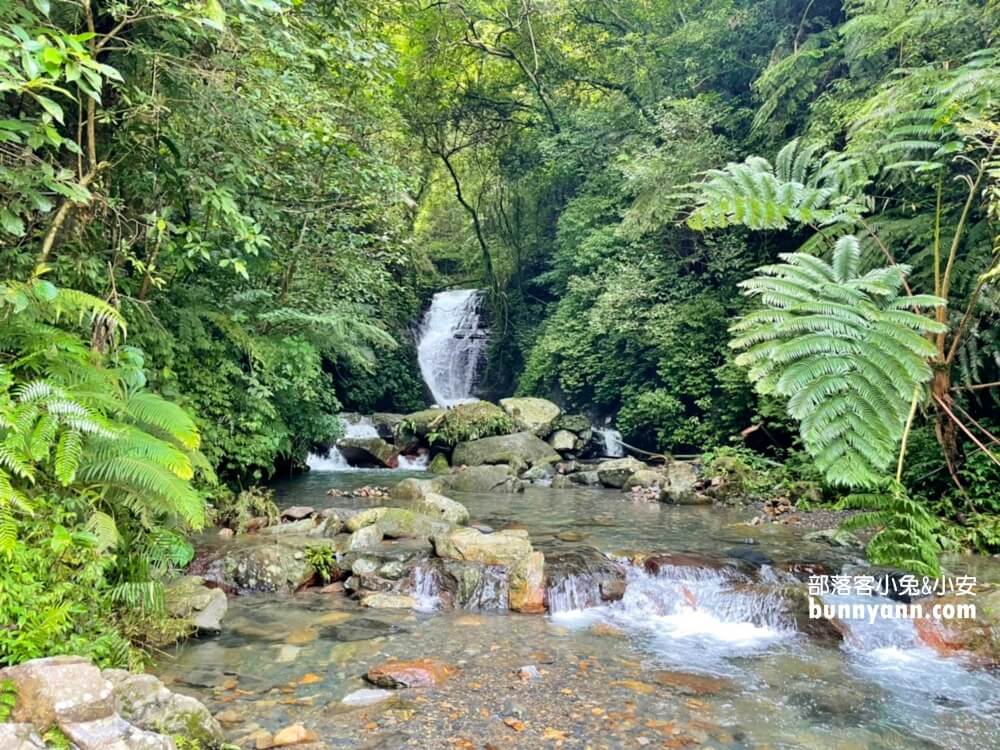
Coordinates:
(694, 684)
(408, 674)
(295, 734)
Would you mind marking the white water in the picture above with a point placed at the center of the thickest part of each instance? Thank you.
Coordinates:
(612, 442)
(451, 346)
(335, 461)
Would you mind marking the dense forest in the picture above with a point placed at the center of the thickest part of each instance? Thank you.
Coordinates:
(220, 222)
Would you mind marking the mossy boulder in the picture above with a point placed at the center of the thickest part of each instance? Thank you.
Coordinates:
(439, 464)
(578, 423)
(412, 429)
(536, 415)
(520, 450)
(465, 422)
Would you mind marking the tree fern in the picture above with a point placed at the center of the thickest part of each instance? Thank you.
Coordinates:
(907, 536)
(845, 348)
(802, 186)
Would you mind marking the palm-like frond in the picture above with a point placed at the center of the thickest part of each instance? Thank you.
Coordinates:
(802, 186)
(846, 350)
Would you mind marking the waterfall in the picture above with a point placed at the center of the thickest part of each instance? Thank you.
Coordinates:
(612, 442)
(451, 346)
(359, 428)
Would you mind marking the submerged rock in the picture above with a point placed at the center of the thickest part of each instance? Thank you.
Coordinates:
(359, 629)
(410, 674)
(190, 599)
(521, 450)
(976, 637)
(535, 415)
(381, 600)
(835, 538)
(367, 697)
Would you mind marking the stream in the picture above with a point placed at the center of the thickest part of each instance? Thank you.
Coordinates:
(683, 660)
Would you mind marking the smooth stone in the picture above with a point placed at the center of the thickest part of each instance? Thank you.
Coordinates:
(367, 697)
(298, 512)
(533, 414)
(408, 674)
(378, 600)
(440, 506)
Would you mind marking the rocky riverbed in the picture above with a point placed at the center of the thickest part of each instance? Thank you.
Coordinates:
(665, 625)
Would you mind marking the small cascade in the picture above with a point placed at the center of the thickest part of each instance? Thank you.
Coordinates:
(425, 588)
(355, 427)
(613, 447)
(692, 616)
(451, 345)
(580, 579)
(418, 462)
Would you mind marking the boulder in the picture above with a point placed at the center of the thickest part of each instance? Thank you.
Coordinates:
(586, 478)
(385, 424)
(142, 700)
(20, 737)
(535, 415)
(682, 477)
(521, 450)
(276, 565)
(365, 518)
(414, 489)
(114, 733)
(577, 423)
(410, 674)
(304, 526)
(505, 548)
(364, 538)
(59, 690)
(190, 599)
(413, 428)
(297, 512)
(496, 478)
(369, 451)
(440, 506)
(539, 473)
(470, 585)
(439, 464)
(400, 523)
(564, 441)
(527, 584)
(976, 637)
(616, 471)
(644, 478)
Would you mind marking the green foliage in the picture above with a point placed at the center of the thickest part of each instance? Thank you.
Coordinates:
(8, 699)
(323, 559)
(470, 422)
(846, 352)
(235, 510)
(907, 535)
(95, 480)
(802, 187)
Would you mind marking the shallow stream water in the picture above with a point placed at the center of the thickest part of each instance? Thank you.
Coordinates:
(679, 662)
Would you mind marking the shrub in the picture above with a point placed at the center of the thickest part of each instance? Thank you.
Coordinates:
(470, 422)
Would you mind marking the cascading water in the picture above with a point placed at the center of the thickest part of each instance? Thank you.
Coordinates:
(612, 442)
(335, 461)
(451, 345)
